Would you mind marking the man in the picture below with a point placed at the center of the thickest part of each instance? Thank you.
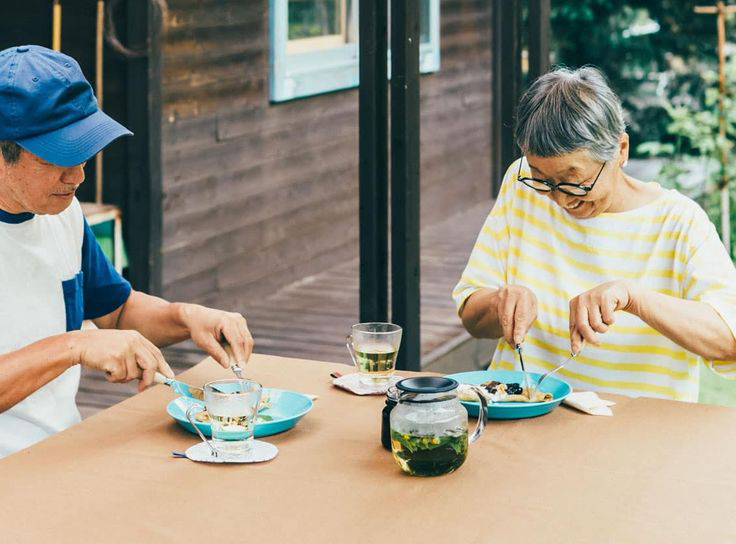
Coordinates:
(52, 271)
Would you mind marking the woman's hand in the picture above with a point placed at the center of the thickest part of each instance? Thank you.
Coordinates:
(592, 312)
(516, 308)
(209, 327)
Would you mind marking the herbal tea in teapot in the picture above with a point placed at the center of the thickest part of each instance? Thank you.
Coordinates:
(430, 455)
(429, 426)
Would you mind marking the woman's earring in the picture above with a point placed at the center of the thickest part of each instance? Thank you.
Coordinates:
(626, 161)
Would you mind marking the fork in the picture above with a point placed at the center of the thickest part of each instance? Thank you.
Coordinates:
(544, 376)
(234, 366)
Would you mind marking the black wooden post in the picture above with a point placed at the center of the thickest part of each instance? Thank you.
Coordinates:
(373, 176)
(142, 222)
(506, 82)
(539, 17)
(405, 178)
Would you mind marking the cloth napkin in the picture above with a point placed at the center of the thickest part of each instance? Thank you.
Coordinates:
(352, 383)
(590, 403)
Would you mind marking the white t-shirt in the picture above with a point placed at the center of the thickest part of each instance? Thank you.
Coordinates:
(668, 245)
(53, 275)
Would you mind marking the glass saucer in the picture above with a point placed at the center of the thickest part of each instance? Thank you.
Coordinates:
(260, 452)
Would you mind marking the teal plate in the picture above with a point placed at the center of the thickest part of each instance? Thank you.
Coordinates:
(513, 410)
(287, 408)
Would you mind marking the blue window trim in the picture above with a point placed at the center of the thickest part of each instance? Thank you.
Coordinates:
(297, 75)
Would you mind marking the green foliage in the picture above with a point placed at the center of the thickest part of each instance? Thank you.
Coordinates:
(695, 127)
(641, 64)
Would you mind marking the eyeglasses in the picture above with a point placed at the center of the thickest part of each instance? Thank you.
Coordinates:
(544, 186)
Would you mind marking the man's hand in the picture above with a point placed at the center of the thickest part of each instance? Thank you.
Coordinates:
(592, 312)
(516, 308)
(122, 355)
(209, 327)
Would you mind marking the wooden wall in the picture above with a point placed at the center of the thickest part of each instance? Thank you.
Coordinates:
(257, 195)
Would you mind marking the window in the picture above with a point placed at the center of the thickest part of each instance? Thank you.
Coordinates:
(314, 45)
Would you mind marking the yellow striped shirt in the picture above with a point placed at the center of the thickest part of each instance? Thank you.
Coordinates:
(668, 245)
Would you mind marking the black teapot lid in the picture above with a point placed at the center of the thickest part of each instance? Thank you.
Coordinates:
(427, 384)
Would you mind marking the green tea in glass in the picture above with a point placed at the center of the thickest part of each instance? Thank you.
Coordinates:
(373, 348)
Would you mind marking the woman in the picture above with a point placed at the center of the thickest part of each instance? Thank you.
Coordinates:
(576, 251)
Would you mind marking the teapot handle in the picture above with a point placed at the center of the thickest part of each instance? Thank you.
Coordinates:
(482, 415)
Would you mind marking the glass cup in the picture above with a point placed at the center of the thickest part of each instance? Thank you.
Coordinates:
(373, 347)
(232, 406)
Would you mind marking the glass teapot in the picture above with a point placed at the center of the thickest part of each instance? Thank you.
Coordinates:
(429, 426)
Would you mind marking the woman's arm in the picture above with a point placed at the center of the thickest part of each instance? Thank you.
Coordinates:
(696, 326)
(507, 312)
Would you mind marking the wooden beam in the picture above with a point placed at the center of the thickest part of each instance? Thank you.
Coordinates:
(539, 29)
(405, 305)
(506, 82)
(143, 218)
(373, 146)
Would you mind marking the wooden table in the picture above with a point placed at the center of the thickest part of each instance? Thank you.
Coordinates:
(658, 471)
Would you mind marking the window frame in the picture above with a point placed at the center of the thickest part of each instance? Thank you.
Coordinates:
(299, 75)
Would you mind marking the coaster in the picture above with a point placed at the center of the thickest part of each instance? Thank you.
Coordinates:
(352, 383)
(260, 452)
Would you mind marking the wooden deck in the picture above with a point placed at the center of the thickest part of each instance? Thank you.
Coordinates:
(310, 318)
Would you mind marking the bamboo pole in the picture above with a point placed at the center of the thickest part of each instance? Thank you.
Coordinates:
(56, 26)
(725, 197)
(722, 11)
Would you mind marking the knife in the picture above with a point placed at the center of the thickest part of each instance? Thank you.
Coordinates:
(179, 387)
(526, 376)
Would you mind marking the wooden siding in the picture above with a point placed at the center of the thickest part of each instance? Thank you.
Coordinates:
(309, 318)
(258, 195)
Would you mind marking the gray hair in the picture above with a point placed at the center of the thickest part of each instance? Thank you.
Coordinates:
(570, 110)
(10, 151)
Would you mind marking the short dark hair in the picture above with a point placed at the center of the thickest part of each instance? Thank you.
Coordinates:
(10, 150)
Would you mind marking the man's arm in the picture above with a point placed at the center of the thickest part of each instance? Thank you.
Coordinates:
(156, 319)
(30, 368)
(122, 355)
(165, 323)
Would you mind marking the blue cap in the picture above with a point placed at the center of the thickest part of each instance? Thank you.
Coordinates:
(48, 107)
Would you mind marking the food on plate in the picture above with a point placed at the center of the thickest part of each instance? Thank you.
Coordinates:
(264, 404)
(495, 391)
